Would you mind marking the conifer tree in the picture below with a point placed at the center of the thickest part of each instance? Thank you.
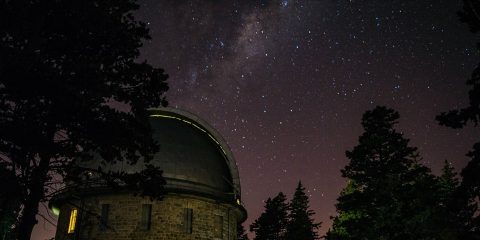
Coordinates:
(241, 235)
(448, 181)
(450, 217)
(389, 195)
(301, 226)
(66, 69)
(469, 189)
(272, 223)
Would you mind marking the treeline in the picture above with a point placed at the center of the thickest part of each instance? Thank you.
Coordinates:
(282, 220)
(389, 194)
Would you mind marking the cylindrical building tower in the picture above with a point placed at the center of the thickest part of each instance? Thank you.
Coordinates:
(203, 190)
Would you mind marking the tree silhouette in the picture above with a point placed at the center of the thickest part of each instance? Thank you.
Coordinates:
(241, 235)
(71, 86)
(300, 224)
(10, 202)
(453, 212)
(389, 195)
(469, 190)
(272, 223)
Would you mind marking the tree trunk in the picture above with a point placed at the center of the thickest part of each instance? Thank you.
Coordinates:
(30, 207)
(28, 219)
(9, 207)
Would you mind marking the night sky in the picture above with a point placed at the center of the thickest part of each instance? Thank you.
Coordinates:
(286, 83)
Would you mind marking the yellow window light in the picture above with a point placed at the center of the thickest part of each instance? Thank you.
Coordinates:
(73, 220)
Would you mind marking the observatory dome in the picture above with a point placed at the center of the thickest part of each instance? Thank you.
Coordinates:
(202, 190)
(194, 158)
(192, 155)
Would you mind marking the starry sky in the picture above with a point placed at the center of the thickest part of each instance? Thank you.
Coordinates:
(286, 83)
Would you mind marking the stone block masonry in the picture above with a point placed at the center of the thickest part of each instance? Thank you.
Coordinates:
(209, 219)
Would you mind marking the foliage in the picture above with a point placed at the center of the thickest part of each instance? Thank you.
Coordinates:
(272, 223)
(286, 221)
(468, 194)
(470, 15)
(453, 209)
(389, 195)
(241, 235)
(301, 226)
(67, 68)
(9, 202)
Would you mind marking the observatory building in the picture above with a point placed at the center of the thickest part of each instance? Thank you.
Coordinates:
(202, 187)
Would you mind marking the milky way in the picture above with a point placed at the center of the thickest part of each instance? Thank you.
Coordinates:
(286, 82)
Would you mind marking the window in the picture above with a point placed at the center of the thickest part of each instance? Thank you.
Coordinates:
(104, 217)
(218, 227)
(187, 220)
(73, 220)
(146, 216)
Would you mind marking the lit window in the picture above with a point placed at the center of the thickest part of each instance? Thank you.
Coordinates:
(104, 216)
(187, 220)
(146, 216)
(218, 229)
(73, 220)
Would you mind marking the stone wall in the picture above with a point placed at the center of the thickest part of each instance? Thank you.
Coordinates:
(167, 218)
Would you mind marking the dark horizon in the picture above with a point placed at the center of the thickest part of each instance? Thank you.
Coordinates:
(286, 83)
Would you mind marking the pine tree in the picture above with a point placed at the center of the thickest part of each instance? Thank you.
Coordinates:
(301, 226)
(449, 216)
(66, 69)
(389, 195)
(10, 202)
(272, 223)
(241, 235)
(469, 189)
(448, 183)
